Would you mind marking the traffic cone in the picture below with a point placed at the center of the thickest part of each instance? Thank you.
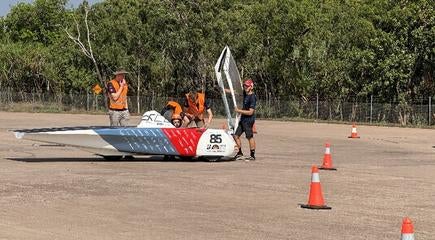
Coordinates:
(353, 134)
(254, 129)
(315, 199)
(327, 159)
(407, 229)
(225, 126)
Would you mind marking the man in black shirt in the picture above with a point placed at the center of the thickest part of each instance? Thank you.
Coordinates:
(247, 120)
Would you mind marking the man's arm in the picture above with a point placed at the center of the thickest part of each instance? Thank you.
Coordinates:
(207, 106)
(252, 105)
(210, 117)
(227, 90)
(245, 112)
(115, 95)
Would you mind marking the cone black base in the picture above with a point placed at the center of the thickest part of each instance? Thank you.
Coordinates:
(324, 207)
(353, 137)
(330, 169)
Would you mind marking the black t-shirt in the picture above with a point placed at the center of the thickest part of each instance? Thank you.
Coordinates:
(249, 101)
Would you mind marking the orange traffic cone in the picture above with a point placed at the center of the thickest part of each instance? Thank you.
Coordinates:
(254, 129)
(327, 159)
(315, 200)
(353, 134)
(407, 229)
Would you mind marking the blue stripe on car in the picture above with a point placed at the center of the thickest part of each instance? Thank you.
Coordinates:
(138, 140)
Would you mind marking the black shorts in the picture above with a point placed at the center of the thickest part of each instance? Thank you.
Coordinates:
(245, 127)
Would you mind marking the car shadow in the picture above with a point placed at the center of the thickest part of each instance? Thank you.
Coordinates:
(101, 159)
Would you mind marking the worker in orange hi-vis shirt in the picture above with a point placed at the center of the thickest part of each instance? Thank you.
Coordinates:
(117, 90)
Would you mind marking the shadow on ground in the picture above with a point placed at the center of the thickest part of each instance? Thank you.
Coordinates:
(135, 159)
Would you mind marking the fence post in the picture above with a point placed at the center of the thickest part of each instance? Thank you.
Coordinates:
(371, 108)
(138, 103)
(317, 106)
(87, 101)
(96, 102)
(152, 101)
(430, 110)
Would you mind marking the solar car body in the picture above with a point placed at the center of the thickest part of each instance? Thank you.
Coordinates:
(155, 135)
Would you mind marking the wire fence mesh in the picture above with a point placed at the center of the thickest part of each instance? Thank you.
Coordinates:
(418, 113)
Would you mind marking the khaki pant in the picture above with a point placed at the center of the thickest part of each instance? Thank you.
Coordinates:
(119, 118)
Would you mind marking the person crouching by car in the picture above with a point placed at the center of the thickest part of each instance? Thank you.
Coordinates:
(195, 106)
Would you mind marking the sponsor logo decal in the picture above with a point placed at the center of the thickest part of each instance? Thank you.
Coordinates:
(214, 148)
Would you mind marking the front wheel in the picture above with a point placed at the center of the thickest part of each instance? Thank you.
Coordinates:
(187, 159)
(213, 159)
(112, 158)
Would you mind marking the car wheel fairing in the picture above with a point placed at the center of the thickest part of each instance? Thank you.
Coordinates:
(216, 143)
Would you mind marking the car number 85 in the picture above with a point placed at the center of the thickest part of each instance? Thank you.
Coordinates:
(215, 138)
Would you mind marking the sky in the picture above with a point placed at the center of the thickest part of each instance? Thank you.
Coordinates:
(6, 5)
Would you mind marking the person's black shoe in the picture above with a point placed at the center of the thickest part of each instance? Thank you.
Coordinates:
(238, 156)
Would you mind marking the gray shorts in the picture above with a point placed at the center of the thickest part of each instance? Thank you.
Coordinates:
(119, 118)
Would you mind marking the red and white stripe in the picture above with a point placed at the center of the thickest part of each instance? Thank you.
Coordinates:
(315, 177)
(353, 129)
(328, 149)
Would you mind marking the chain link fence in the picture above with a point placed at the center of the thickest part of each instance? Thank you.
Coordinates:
(418, 113)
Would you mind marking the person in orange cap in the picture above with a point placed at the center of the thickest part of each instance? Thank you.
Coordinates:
(247, 120)
(117, 89)
(173, 112)
(176, 120)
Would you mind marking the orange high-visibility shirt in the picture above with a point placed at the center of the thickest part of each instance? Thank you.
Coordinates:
(121, 102)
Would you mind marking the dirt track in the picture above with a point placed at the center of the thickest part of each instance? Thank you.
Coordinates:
(49, 192)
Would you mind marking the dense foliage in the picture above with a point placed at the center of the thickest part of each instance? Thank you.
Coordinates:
(336, 49)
